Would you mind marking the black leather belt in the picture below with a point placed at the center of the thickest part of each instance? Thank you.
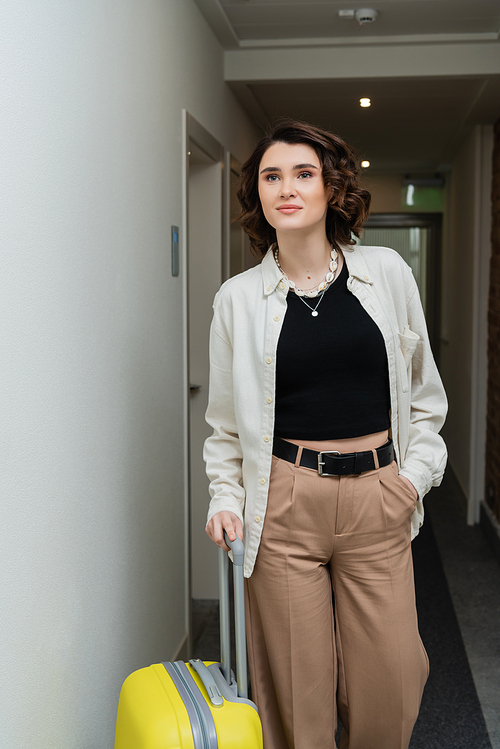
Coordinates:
(333, 463)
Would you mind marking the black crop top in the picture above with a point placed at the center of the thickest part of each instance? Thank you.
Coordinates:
(332, 379)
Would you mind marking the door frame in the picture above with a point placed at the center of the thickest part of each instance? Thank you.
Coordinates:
(194, 132)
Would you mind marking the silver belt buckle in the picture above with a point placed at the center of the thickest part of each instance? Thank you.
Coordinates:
(321, 462)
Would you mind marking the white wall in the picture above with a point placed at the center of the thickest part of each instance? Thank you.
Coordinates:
(467, 248)
(91, 350)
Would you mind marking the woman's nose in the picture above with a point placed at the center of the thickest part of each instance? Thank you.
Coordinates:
(287, 190)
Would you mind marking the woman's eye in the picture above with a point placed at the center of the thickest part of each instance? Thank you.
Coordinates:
(304, 175)
(272, 177)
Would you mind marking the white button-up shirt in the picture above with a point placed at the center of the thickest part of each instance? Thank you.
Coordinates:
(248, 316)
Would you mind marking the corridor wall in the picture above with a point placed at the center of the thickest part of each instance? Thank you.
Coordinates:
(493, 414)
(467, 249)
(92, 372)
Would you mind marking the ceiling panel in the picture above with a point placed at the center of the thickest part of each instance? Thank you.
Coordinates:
(283, 19)
(321, 12)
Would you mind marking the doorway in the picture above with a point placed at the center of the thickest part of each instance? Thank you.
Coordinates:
(417, 238)
(205, 261)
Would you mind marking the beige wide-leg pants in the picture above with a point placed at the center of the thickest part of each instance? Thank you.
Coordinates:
(357, 649)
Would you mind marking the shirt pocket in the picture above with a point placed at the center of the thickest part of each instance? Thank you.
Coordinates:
(408, 343)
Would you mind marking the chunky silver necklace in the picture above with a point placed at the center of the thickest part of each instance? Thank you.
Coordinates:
(317, 291)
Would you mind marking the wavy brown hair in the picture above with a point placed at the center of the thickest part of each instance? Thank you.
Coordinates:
(348, 204)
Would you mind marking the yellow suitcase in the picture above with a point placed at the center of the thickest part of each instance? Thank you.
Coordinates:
(195, 705)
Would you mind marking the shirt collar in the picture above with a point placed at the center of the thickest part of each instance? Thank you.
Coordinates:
(356, 263)
(353, 256)
(271, 274)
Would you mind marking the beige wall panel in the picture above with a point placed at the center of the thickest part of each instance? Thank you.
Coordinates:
(458, 299)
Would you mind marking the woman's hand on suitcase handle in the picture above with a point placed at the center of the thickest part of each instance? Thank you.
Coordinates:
(224, 521)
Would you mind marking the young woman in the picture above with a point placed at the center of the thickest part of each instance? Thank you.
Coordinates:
(326, 405)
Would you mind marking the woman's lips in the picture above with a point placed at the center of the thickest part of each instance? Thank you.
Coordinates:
(289, 208)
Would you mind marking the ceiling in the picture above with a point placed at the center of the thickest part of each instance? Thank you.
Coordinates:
(253, 20)
(430, 67)
(413, 124)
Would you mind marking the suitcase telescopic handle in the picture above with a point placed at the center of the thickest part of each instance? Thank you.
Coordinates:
(238, 550)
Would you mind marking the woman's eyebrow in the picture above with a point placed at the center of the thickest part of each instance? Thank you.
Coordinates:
(297, 166)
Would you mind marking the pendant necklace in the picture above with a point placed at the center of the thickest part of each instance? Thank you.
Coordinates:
(314, 312)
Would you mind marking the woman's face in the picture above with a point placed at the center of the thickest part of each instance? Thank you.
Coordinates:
(291, 188)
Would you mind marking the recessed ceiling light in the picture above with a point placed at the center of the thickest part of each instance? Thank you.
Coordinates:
(365, 102)
(365, 164)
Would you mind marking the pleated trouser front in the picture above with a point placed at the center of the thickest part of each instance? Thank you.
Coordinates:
(330, 607)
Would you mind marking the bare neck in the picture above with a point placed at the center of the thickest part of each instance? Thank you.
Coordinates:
(305, 259)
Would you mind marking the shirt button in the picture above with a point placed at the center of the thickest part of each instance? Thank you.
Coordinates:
(262, 481)
(257, 518)
(269, 400)
(269, 288)
(276, 318)
(366, 278)
(266, 438)
(282, 285)
(268, 360)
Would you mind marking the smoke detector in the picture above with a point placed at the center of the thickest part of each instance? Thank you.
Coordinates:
(365, 15)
